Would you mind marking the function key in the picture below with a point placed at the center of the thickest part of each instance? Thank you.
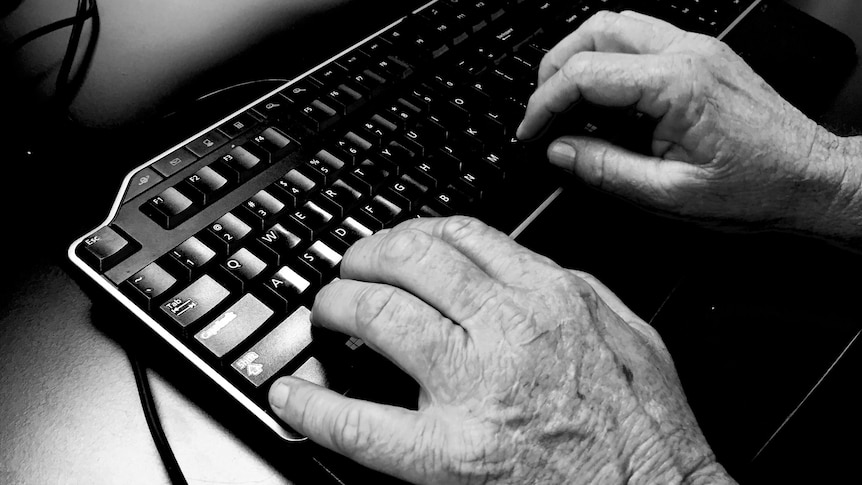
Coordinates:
(236, 126)
(239, 164)
(207, 143)
(232, 327)
(302, 92)
(205, 186)
(169, 209)
(105, 248)
(192, 303)
(148, 285)
(319, 115)
(273, 141)
(174, 162)
(276, 350)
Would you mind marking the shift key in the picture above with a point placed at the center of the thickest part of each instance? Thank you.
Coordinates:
(277, 349)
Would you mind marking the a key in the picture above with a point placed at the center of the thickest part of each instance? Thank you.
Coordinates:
(285, 288)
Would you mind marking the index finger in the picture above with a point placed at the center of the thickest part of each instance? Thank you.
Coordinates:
(627, 33)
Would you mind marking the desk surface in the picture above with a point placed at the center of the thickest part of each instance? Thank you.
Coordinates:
(754, 324)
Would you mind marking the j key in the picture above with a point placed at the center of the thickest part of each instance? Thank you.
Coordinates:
(367, 176)
(320, 115)
(241, 268)
(105, 248)
(449, 159)
(169, 209)
(339, 198)
(348, 232)
(238, 165)
(293, 188)
(406, 191)
(191, 304)
(262, 209)
(275, 243)
(285, 288)
(276, 350)
(207, 143)
(318, 262)
(236, 126)
(380, 211)
(227, 233)
(189, 258)
(309, 220)
(232, 327)
(148, 285)
(273, 142)
(205, 186)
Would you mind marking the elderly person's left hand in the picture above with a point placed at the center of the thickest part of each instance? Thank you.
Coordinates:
(529, 373)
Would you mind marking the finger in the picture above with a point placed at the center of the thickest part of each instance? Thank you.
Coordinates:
(609, 32)
(394, 323)
(616, 80)
(649, 181)
(375, 435)
(425, 266)
(494, 252)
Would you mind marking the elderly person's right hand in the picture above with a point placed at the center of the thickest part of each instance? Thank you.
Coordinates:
(727, 147)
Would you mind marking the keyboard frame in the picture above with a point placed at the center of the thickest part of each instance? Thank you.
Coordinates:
(114, 291)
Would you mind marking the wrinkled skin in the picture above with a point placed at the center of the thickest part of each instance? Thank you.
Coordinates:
(727, 147)
(529, 373)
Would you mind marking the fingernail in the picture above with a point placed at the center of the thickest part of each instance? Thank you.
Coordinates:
(278, 395)
(562, 154)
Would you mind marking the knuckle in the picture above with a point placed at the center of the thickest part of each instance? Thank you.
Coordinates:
(459, 228)
(375, 306)
(404, 246)
(348, 434)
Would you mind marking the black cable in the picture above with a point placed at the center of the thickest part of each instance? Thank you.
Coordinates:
(151, 415)
(85, 10)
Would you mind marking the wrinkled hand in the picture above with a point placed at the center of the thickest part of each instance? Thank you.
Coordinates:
(529, 373)
(726, 147)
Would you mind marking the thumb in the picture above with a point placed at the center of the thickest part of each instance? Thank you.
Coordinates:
(648, 180)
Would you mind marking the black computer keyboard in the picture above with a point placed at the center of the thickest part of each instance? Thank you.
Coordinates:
(220, 244)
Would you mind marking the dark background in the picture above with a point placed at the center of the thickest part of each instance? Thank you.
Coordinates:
(754, 321)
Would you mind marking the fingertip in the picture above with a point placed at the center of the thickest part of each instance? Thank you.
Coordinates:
(279, 393)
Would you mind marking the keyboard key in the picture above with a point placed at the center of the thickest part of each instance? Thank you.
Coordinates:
(274, 142)
(239, 164)
(339, 198)
(148, 284)
(406, 191)
(286, 287)
(105, 248)
(207, 143)
(242, 267)
(238, 125)
(192, 303)
(275, 243)
(262, 210)
(169, 209)
(293, 188)
(189, 258)
(319, 115)
(328, 75)
(205, 186)
(380, 211)
(141, 182)
(367, 176)
(318, 262)
(272, 107)
(174, 162)
(325, 166)
(276, 350)
(309, 220)
(232, 327)
(349, 231)
(227, 233)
